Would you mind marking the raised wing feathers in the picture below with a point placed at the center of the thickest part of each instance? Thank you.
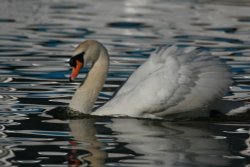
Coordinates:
(173, 80)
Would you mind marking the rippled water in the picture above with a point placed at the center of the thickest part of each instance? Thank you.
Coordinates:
(36, 41)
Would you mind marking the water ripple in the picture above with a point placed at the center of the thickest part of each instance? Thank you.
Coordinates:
(36, 42)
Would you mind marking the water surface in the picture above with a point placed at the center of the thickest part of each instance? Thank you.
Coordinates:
(36, 41)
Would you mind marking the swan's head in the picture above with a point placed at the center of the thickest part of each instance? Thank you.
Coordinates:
(85, 52)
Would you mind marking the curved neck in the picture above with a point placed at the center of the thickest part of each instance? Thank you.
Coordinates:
(86, 95)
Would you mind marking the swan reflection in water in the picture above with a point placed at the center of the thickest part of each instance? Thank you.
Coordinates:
(135, 142)
(84, 131)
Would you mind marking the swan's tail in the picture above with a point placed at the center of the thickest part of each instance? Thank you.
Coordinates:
(239, 110)
(231, 108)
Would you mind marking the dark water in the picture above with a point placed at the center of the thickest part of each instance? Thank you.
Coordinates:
(36, 41)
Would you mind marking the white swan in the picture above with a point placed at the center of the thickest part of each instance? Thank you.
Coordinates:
(171, 81)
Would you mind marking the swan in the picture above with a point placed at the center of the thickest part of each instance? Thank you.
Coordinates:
(173, 80)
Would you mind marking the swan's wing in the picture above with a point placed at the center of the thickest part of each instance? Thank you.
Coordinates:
(203, 78)
(173, 80)
(155, 62)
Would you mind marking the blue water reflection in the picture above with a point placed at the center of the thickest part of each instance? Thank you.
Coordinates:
(36, 41)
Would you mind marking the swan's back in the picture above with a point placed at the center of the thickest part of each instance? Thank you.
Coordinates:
(171, 81)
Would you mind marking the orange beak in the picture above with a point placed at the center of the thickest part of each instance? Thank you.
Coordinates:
(76, 70)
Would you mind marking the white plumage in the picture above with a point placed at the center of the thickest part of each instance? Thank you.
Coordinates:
(173, 80)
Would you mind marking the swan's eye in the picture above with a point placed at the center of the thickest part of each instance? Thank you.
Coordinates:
(72, 61)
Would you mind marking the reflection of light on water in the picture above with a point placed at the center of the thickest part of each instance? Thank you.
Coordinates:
(8, 99)
(246, 152)
(6, 153)
(52, 153)
(9, 79)
(36, 41)
(43, 133)
(239, 131)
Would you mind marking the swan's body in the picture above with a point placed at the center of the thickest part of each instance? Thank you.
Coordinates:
(171, 81)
